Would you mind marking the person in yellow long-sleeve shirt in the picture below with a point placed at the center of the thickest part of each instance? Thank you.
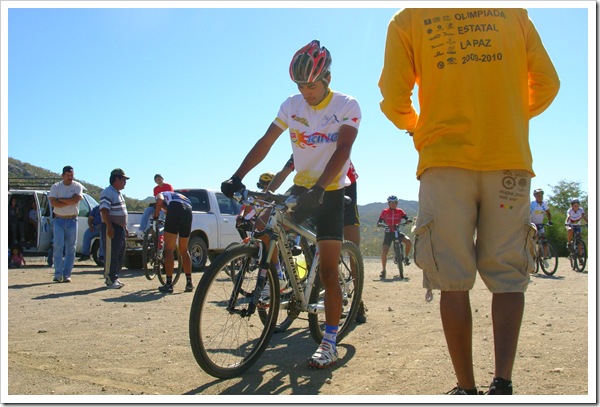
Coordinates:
(481, 74)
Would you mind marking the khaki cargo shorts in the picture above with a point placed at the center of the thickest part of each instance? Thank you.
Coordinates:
(474, 221)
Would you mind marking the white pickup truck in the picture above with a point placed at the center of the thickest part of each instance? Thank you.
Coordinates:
(213, 227)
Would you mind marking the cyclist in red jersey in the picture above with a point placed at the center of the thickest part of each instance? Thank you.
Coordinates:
(391, 217)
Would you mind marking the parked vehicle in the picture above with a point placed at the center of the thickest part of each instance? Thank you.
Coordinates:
(213, 228)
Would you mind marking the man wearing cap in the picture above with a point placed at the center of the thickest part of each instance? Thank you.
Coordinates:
(161, 186)
(64, 197)
(113, 229)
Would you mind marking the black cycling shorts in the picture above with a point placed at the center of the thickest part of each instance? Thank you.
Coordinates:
(389, 238)
(179, 219)
(329, 217)
(351, 209)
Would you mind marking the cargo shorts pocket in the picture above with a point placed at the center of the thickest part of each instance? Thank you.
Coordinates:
(530, 246)
(423, 249)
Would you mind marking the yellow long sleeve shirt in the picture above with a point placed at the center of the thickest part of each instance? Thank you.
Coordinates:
(481, 75)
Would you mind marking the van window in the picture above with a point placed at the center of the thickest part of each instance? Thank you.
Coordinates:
(84, 208)
(44, 205)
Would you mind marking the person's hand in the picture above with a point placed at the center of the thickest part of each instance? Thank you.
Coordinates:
(306, 202)
(312, 198)
(232, 185)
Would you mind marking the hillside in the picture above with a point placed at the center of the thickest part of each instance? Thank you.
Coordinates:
(19, 169)
(371, 236)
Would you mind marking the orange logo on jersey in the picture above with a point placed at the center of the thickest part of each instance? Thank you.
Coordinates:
(300, 139)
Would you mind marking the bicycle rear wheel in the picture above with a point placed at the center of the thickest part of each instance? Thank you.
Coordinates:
(351, 277)
(151, 268)
(548, 256)
(177, 267)
(226, 340)
(580, 255)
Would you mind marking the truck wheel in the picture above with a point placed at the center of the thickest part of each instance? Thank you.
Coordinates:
(96, 253)
(198, 252)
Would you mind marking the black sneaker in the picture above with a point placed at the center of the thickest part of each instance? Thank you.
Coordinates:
(361, 317)
(500, 386)
(83, 257)
(406, 261)
(382, 274)
(167, 288)
(189, 287)
(457, 391)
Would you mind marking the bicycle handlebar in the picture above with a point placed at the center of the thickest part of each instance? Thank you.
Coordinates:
(249, 197)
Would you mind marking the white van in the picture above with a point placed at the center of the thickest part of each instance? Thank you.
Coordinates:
(40, 240)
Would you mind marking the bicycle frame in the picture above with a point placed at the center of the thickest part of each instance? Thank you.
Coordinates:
(278, 227)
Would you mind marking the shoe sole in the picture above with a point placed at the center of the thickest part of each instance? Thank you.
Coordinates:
(316, 366)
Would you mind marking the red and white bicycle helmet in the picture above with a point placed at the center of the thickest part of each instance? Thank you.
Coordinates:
(310, 63)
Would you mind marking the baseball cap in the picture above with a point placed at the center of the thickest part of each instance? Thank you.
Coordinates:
(119, 172)
(67, 168)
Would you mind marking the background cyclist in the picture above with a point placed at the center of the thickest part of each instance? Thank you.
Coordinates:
(574, 215)
(537, 210)
(391, 217)
(323, 125)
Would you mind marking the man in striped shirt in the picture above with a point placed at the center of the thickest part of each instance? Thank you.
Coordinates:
(113, 229)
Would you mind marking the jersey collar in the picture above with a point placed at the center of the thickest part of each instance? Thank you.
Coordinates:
(323, 103)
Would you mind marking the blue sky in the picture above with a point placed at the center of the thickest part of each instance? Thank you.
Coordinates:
(186, 92)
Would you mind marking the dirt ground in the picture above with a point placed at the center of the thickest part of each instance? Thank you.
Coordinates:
(84, 339)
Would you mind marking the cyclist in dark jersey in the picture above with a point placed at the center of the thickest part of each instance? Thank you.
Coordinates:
(178, 222)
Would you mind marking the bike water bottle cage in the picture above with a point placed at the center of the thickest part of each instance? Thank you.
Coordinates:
(310, 63)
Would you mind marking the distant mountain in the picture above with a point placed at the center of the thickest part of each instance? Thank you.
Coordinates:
(371, 236)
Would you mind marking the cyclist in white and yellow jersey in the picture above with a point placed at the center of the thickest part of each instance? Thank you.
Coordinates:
(537, 210)
(574, 216)
(323, 125)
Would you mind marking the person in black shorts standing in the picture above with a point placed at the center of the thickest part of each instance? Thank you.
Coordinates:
(178, 222)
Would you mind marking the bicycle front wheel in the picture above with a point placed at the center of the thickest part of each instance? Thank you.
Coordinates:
(177, 267)
(351, 277)
(226, 338)
(399, 248)
(580, 255)
(549, 259)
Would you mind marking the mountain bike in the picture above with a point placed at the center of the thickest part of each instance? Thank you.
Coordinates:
(398, 243)
(153, 261)
(232, 321)
(577, 249)
(546, 256)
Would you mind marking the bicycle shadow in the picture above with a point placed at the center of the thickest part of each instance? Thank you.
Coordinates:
(286, 357)
(545, 276)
